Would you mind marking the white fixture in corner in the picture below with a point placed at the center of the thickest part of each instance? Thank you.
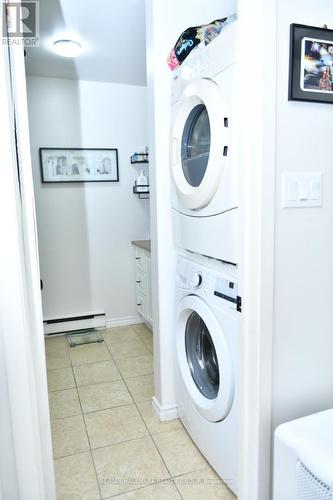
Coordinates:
(303, 459)
(84, 321)
(67, 48)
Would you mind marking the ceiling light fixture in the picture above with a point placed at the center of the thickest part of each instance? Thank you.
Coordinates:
(67, 48)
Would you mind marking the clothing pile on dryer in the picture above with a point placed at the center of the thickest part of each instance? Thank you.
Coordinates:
(191, 37)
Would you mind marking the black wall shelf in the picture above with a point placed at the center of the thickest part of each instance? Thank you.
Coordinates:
(140, 158)
(142, 195)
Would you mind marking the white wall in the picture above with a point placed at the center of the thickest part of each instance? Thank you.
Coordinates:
(303, 337)
(85, 229)
(165, 22)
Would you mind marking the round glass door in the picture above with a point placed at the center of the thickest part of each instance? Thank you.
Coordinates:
(201, 357)
(196, 145)
(199, 137)
(204, 358)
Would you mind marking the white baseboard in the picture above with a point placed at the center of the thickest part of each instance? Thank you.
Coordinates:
(166, 412)
(125, 321)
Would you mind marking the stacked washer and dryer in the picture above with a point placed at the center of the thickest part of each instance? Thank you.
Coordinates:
(205, 223)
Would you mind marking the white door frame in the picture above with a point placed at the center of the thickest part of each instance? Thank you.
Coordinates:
(257, 91)
(20, 303)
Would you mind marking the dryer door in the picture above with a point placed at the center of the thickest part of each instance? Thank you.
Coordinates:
(204, 359)
(199, 143)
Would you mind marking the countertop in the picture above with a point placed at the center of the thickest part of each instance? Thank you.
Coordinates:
(145, 244)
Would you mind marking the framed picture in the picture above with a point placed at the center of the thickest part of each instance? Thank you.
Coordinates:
(79, 165)
(311, 64)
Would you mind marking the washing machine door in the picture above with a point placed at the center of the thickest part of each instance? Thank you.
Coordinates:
(199, 143)
(204, 359)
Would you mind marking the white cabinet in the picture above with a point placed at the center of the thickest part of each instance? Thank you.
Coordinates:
(143, 284)
(149, 312)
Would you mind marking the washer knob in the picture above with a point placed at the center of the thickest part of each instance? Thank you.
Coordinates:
(196, 280)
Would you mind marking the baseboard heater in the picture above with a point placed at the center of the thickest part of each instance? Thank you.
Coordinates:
(73, 323)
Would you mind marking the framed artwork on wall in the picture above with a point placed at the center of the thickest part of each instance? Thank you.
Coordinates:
(311, 64)
(79, 165)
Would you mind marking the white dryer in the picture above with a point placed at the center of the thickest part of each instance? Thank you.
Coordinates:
(203, 149)
(207, 345)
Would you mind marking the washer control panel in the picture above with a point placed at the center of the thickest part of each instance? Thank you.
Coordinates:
(191, 277)
(226, 289)
(206, 282)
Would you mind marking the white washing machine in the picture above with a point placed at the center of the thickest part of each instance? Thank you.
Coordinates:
(207, 344)
(203, 149)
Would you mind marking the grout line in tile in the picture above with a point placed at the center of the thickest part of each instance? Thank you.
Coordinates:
(118, 442)
(85, 428)
(151, 437)
(122, 341)
(204, 470)
(190, 472)
(168, 480)
(132, 357)
(52, 419)
(67, 389)
(149, 433)
(98, 383)
(51, 337)
(128, 404)
(171, 475)
(145, 341)
(90, 363)
(93, 362)
(118, 327)
(107, 346)
(108, 408)
(83, 414)
(71, 455)
(137, 376)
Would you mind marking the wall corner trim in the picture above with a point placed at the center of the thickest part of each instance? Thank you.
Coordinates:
(165, 412)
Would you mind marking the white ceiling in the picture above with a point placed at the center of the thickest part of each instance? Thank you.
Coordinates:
(112, 33)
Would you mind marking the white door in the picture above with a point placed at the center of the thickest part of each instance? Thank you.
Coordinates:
(204, 359)
(199, 143)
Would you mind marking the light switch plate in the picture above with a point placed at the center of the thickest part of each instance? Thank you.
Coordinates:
(301, 189)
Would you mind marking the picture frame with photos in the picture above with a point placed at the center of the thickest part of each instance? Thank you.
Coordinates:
(311, 64)
(59, 165)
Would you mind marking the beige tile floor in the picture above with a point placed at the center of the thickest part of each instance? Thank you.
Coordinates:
(107, 440)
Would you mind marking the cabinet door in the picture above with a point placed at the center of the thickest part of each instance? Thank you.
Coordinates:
(141, 282)
(149, 310)
(141, 304)
(140, 257)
